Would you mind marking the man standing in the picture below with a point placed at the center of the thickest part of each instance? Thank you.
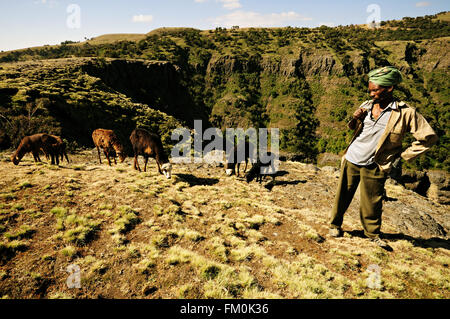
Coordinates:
(380, 125)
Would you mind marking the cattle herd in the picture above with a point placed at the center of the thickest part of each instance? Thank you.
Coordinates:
(50, 145)
(143, 143)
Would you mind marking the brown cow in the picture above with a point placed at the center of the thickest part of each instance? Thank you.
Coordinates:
(108, 141)
(260, 170)
(234, 159)
(34, 143)
(60, 149)
(150, 145)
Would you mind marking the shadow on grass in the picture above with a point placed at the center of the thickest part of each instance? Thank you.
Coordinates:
(434, 242)
(389, 199)
(296, 182)
(273, 183)
(194, 180)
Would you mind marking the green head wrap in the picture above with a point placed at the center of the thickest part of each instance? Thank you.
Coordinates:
(385, 76)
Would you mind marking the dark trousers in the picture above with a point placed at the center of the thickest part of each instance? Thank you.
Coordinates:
(371, 180)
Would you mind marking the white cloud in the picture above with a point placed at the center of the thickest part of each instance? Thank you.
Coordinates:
(50, 3)
(227, 4)
(231, 4)
(423, 4)
(246, 19)
(143, 18)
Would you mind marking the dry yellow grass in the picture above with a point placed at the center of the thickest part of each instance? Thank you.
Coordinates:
(200, 235)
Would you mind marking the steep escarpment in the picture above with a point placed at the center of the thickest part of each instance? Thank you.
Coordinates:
(155, 83)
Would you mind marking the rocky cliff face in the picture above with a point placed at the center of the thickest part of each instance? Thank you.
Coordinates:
(226, 65)
(320, 62)
(155, 83)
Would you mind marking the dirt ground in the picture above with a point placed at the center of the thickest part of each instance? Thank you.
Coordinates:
(202, 234)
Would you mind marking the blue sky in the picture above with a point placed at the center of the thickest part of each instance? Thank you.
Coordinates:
(27, 23)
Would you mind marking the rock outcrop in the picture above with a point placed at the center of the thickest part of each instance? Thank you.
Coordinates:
(439, 189)
(320, 62)
(432, 184)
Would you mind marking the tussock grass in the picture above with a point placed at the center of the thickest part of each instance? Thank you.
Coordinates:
(313, 235)
(69, 251)
(183, 291)
(125, 219)
(8, 196)
(303, 280)
(59, 212)
(217, 247)
(247, 253)
(9, 249)
(105, 206)
(99, 267)
(79, 167)
(189, 234)
(220, 281)
(78, 229)
(81, 234)
(35, 276)
(231, 283)
(47, 257)
(32, 213)
(25, 184)
(255, 222)
(177, 255)
(145, 265)
(18, 207)
(443, 260)
(59, 295)
(23, 232)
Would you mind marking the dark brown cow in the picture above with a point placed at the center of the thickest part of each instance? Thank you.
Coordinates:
(60, 149)
(149, 145)
(108, 141)
(34, 143)
(232, 162)
(260, 170)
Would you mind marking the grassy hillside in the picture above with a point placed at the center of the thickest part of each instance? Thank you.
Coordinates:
(61, 97)
(202, 234)
(307, 82)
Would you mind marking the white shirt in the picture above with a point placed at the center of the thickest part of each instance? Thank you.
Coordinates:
(362, 150)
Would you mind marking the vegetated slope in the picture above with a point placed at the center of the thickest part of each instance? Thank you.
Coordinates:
(202, 234)
(73, 97)
(307, 82)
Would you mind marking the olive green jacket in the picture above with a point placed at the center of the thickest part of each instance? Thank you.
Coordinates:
(402, 120)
